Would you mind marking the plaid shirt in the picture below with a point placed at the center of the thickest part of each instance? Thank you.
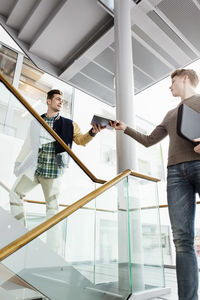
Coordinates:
(46, 165)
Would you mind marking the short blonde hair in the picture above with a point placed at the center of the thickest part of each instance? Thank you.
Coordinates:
(192, 75)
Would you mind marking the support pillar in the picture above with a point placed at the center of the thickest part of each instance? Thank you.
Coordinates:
(124, 84)
(126, 154)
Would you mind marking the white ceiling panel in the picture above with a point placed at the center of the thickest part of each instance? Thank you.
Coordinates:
(74, 40)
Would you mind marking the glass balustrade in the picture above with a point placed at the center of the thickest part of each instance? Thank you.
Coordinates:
(88, 266)
(112, 247)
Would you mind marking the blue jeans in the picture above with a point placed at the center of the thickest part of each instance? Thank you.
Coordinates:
(183, 182)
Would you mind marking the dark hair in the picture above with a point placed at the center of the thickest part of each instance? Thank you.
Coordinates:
(192, 75)
(51, 93)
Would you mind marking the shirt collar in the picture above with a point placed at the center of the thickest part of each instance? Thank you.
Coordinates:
(56, 117)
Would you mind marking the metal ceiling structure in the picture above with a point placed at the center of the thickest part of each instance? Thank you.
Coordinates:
(74, 40)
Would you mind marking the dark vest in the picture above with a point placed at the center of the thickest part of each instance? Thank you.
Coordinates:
(65, 129)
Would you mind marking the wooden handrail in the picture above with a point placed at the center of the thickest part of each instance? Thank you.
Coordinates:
(35, 232)
(142, 176)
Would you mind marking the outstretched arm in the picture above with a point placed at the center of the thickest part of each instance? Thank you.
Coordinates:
(147, 140)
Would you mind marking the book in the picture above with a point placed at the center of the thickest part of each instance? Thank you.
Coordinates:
(103, 122)
(188, 123)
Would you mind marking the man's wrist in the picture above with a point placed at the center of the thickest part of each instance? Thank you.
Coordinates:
(91, 133)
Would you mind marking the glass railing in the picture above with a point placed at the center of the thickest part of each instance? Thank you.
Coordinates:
(106, 250)
(89, 266)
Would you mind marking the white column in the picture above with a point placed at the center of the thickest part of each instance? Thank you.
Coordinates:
(124, 84)
(126, 154)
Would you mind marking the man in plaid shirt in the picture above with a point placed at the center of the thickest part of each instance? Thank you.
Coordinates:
(42, 160)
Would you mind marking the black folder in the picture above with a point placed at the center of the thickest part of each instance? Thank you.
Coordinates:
(188, 123)
(103, 122)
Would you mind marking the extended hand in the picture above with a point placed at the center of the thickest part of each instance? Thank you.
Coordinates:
(118, 125)
(97, 128)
